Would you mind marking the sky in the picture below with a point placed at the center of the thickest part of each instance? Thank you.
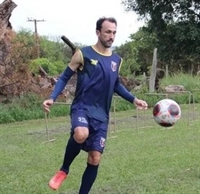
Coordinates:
(76, 19)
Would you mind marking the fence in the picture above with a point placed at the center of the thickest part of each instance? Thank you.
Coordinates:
(139, 120)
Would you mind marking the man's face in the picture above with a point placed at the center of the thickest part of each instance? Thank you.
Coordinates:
(107, 34)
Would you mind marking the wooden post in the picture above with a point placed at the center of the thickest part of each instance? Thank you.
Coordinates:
(153, 72)
(36, 35)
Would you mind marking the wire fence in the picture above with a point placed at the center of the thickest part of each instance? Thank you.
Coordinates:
(140, 120)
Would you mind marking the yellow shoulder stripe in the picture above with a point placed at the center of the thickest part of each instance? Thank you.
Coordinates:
(120, 64)
(82, 59)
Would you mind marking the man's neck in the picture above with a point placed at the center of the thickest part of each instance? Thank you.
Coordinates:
(101, 49)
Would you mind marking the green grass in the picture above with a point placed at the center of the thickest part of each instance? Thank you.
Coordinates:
(189, 81)
(28, 107)
(149, 160)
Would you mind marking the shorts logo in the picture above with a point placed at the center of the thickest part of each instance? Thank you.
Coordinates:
(102, 142)
(82, 120)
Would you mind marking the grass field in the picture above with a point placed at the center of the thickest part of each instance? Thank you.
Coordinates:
(148, 160)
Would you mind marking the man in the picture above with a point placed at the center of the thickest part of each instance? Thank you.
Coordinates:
(97, 79)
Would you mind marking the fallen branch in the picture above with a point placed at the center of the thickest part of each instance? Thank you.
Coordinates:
(8, 84)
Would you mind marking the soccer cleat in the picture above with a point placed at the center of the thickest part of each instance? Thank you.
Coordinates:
(57, 180)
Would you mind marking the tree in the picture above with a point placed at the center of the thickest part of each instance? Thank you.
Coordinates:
(51, 68)
(176, 25)
(128, 52)
(6, 8)
(54, 49)
(54, 54)
(137, 53)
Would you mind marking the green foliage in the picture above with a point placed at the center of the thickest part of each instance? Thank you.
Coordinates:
(28, 108)
(187, 80)
(5, 117)
(53, 54)
(144, 42)
(138, 53)
(128, 52)
(190, 83)
(164, 11)
(176, 25)
(23, 46)
(120, 104)
(53, 49)
(60, 66)
(51, 68)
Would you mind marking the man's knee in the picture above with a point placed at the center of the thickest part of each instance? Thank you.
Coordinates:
(81, 134)
(94, 157)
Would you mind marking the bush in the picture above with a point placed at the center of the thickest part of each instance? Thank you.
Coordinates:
(30, 106)
(5, 117)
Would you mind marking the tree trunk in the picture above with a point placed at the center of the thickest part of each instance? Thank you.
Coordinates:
(6, 9)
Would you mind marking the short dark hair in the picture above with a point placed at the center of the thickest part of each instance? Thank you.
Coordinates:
(102, 19)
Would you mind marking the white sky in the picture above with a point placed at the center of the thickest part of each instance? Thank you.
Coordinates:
(75, 19)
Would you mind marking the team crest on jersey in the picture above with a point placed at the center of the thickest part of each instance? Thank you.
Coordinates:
(102, 142)
(113, 66)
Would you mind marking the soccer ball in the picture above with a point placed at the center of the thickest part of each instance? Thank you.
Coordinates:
(166, 112)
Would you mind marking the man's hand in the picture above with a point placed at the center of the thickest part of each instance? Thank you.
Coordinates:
(140, 104)
(47, 104)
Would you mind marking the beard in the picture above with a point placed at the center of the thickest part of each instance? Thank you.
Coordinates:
(106, 44)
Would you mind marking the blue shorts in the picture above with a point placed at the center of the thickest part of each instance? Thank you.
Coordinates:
(97, 131)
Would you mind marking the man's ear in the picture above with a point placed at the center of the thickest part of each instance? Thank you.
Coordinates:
(97, 33)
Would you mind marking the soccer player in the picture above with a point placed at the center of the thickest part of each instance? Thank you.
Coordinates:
(97, 71)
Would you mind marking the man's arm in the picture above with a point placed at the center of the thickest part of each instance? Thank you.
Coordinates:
(123, 92)
(75, 63)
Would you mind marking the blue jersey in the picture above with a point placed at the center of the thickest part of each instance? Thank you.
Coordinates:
(95, 83)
